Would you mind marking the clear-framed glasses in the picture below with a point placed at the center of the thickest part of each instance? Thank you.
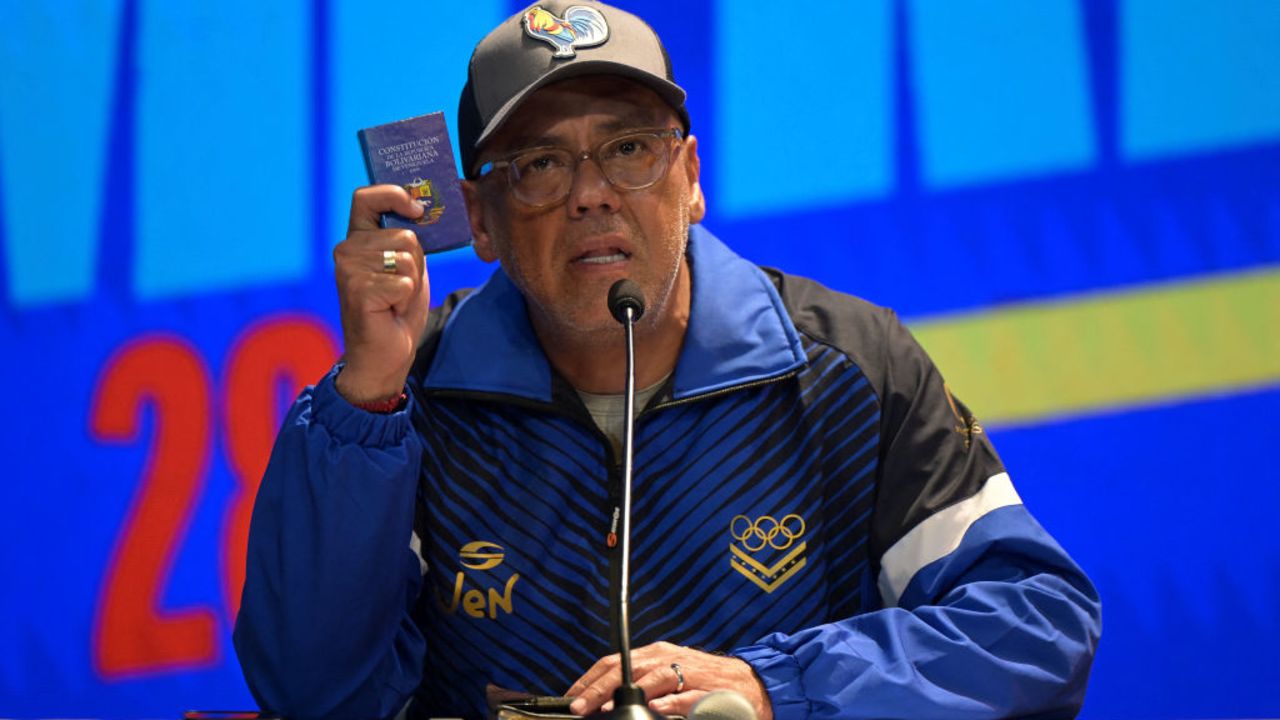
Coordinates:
(542, 176)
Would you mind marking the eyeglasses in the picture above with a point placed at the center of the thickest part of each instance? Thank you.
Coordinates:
(542, 176)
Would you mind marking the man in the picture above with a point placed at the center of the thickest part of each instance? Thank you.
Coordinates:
(818, 524)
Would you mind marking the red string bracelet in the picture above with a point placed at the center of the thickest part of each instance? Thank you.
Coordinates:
(384, 406)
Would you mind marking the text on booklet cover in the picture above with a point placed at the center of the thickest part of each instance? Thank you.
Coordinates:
(416, 155)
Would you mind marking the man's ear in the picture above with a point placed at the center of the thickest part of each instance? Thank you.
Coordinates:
(482, 240)
(693, 171)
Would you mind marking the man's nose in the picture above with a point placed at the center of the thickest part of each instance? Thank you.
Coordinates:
(591, 190)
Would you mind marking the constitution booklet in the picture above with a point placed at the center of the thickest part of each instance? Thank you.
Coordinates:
(416, 155)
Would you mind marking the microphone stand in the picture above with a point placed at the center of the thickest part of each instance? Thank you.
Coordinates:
(627, 305)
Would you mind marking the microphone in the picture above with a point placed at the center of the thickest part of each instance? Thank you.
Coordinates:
(626, 294)
(722, 705)
(626, 304)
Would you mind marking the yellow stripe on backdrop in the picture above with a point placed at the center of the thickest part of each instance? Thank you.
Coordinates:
(1138, 346)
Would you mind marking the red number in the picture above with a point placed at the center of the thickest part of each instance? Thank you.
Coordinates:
(274, 358)
(132, 633)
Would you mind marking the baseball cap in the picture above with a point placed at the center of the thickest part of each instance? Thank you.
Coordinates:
(550, 41)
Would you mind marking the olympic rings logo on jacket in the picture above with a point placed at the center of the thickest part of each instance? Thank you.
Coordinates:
(765, 530)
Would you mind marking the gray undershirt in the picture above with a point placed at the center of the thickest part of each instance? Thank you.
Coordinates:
(607, 410)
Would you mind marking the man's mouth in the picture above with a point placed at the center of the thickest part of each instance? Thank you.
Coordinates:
(603, 256)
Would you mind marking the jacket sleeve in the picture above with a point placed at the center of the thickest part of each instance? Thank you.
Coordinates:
(982, 614)
(324, 628)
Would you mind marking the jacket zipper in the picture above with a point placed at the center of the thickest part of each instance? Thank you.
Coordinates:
(613, 547)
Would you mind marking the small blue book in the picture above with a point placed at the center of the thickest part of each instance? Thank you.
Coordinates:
(416, 155)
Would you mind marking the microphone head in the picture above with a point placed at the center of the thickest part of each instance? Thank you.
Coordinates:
(723, 705)
(626, 294)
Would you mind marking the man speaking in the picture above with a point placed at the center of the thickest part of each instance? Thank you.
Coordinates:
(818, 523)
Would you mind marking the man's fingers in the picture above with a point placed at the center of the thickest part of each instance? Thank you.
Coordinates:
(366, 243)
(596, 686)
(677, 703)
(366, 252)
(671, 704)
(671, 691)
(659, 680)
(593, 696)
(604, 665)
(386, 291)
(368, 204)
(401, 263)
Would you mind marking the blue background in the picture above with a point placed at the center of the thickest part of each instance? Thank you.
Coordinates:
(181, 170)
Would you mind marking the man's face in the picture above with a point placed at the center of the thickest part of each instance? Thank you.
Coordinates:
(564, 257)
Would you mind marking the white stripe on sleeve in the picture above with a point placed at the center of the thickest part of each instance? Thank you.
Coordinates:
(415, 544)
(940, 534)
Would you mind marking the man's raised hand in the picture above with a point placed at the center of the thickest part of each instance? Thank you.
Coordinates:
(383, 309)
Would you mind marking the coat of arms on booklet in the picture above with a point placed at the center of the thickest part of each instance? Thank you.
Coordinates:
(416, 155)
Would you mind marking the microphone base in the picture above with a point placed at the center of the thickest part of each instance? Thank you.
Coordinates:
(629, 703)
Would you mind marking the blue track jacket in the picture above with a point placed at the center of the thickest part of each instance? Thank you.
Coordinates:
(809, 497)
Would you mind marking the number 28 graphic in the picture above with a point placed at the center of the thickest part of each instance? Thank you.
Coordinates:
(165, 374)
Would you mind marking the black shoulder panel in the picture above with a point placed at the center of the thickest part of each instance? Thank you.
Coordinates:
(933, 452)
(849, 324)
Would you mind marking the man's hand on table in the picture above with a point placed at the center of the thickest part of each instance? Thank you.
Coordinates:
(651, 666)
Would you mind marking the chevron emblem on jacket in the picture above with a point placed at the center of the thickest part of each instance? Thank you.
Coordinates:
(768, 578)
(766, 534)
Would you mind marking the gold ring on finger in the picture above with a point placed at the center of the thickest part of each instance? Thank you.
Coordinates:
(389, 261)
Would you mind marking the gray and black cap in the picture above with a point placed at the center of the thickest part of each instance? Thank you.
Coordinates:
(549, 41)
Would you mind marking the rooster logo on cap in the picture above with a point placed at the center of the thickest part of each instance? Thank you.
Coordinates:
(580, 27)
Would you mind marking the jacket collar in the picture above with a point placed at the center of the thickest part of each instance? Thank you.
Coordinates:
(738, 333)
